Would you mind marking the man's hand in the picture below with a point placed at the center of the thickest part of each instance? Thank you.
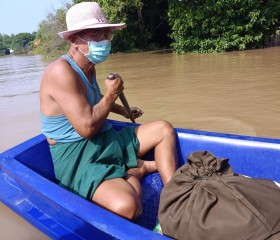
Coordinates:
(136, 113)
(114, 87)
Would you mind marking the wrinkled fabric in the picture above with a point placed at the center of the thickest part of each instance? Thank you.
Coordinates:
(205, 199)
(81, 166)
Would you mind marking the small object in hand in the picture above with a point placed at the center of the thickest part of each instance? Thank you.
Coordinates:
(112, 76)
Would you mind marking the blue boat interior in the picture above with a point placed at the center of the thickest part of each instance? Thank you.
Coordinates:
(251, 156)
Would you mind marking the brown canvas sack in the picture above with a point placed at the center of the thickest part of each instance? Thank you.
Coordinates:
(205, 200)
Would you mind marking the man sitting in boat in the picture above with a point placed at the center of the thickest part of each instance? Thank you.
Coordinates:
(90, 158)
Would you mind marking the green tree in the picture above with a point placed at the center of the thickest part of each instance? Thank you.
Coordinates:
(6, 40)
(2, 48)
(5, 44)
(47, 40)
(1, 39)
(155, 14)
(129, 12)
(222, 25)
(125, 11)
(146, 23)
(21, 43)
(146, 26)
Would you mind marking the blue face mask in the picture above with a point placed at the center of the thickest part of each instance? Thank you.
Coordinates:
(98, 51)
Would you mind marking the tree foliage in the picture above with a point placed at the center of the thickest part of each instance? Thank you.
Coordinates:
(146, 23)
(47, 40)
(21, 42)
(146, 26)
(5, 44)
(222, 25)
(186, 25)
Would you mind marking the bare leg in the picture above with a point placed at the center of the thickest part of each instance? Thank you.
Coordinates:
(120, 196)
(143, 168)
(160, 136)
(135, 182)
(123, 196)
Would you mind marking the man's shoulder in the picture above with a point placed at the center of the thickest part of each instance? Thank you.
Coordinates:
(59, 67)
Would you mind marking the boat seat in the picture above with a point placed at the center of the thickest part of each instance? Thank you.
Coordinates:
(30, 158)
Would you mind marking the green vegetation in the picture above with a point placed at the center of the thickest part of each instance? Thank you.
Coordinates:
(20, 43)
(185, 25)
(47, 40)
(146, 28)
(222, 25)
(5, 44)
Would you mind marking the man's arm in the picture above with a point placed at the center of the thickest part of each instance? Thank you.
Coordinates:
(69, 94)
(118, 109)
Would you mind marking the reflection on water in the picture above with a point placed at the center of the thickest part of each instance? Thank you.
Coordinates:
(236, 92)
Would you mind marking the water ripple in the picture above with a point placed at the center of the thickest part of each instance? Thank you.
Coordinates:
(20, 75)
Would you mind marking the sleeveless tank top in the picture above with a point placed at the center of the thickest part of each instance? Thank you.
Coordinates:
(59, 128)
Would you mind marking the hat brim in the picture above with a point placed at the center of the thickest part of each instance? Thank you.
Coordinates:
(66, 34)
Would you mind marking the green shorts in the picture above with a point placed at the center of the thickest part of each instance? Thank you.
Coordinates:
(81, 166)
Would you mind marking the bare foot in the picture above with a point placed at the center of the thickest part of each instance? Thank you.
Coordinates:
(143, 168)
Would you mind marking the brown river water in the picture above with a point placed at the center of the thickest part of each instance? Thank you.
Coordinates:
(235, 92)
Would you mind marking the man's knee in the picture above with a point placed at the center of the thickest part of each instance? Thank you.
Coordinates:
(165, 128)
(129, 207)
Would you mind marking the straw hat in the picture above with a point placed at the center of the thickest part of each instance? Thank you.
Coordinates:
(86, 15)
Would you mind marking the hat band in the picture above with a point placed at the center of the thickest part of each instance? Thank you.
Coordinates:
(87, 23)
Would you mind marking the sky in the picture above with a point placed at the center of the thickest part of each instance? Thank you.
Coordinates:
(24, 16)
